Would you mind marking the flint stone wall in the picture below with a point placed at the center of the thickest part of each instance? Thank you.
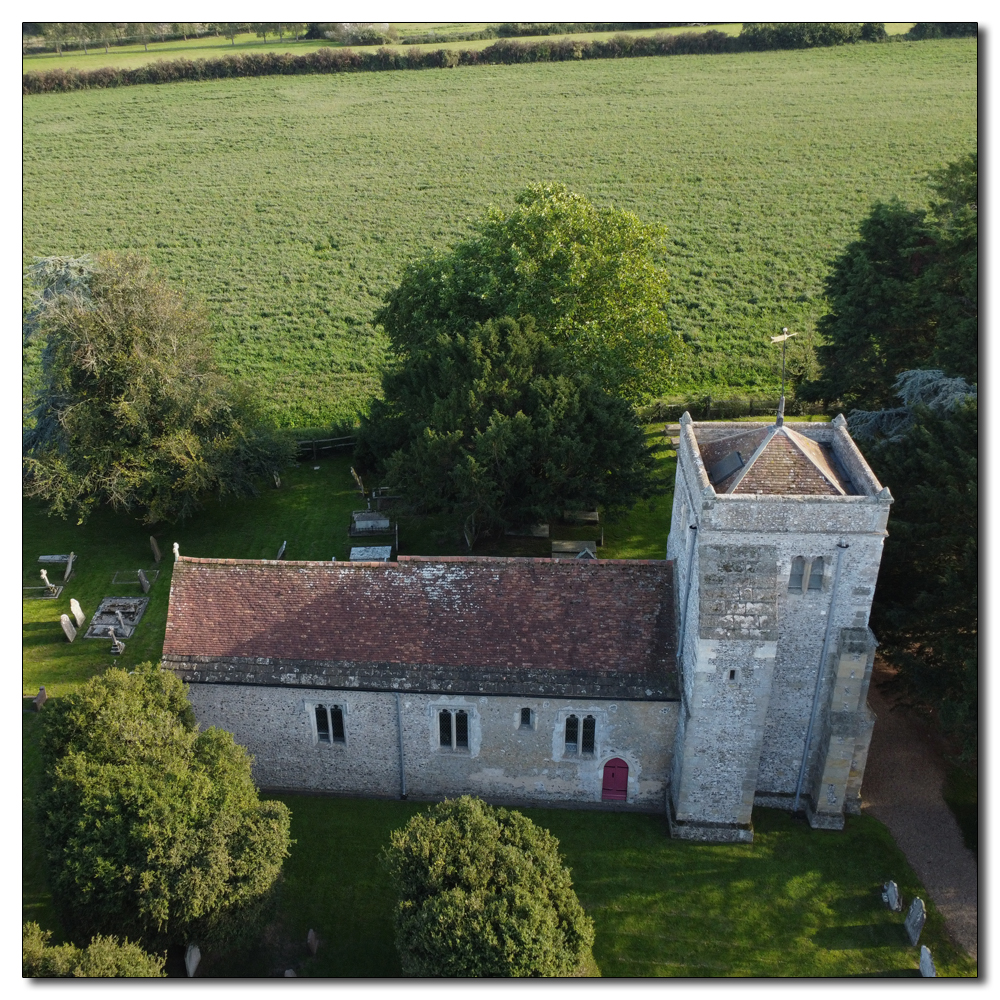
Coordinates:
(504, 763)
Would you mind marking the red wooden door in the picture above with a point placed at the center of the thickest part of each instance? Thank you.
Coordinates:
(615, 781)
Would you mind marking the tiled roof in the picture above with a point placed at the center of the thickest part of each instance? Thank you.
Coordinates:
(776, 461)
(427, 621)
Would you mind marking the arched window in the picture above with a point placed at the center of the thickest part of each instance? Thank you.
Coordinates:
(798, 570)
(572, 733)
(453, 729)
(589, 729)
(444, 727)
(329, 724)
(322, 724)
(462, 730)
(525, 718)
(337, 724)
(816, 574)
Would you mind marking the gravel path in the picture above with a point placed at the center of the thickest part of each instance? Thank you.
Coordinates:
(902, 787)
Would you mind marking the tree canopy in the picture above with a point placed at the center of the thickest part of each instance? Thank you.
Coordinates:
(104, 958)
(130, 409)
(484, 892)
(591, 277)
(153, 829)
(904, 295)
(497, 424)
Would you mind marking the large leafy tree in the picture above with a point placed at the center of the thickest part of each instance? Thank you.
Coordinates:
(104, 958)
(926, 608)
(497, 424)
(153, 829)
(484, 892)
(129, 408)
(904, 295)
(591, 277)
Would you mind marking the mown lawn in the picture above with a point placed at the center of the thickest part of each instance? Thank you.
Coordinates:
(291, 205)
(796, 902)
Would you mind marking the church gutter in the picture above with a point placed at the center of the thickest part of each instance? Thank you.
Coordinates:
(842, 547)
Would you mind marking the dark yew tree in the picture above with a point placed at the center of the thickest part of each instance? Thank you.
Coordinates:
(498, 425)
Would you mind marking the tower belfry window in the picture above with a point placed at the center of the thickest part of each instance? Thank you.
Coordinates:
(798, 571)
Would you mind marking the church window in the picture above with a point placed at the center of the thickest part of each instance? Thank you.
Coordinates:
(572, 733)
(525, 718)
(589, 728)
(462, 730)
(322, 724)
(798, 571)
(816, 574)
(453, 729)
(329, 724)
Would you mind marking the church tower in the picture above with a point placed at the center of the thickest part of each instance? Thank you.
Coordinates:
(776, 538)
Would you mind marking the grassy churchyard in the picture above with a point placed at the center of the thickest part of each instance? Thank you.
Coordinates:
(795, 902)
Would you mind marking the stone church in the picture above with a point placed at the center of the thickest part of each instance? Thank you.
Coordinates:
(731, 673)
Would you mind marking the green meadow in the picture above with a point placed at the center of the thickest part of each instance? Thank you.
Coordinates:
(291, 205)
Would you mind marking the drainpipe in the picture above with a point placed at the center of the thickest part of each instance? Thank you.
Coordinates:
(842, 547)
(399, 729)
(687, 591)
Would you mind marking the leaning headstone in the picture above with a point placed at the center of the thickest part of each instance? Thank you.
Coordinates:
(891, 896)
(915, 918)
(45, 579)
(927, 969)
(69, 567)
(191, 959)
(312, 941)
(40, 699)
(177, 551)
(157, 556)
(68, 627)
(74, 606)
(121, 622)
(143, 582)
(117, 646)
(281, 551)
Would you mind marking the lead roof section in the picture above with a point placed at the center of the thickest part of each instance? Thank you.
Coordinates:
(776, 461)
(599, 628)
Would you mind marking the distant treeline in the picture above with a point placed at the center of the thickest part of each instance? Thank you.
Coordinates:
(752, 38)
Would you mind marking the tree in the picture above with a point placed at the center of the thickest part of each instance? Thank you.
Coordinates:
(483, 892)
(230, 29)
(591, 277)
(904, 296)
(497, 425)
(103, 958)
(926, 607)
(130, 409)
(153, 829)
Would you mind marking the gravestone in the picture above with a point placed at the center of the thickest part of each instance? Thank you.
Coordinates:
(177, 551)
(69, 567)
(371, 553)
(915, 918)
(281, 551)
(157, 556)
(40, 699)
(891, 896)
(124, 613)
(290, 974)
(121, 622)
(927, 969)
(74, 606)
(312, 941)
(191, 959)
(45, 579)
(277, 481)
(117, 646)
(143, 582)
(67, 626)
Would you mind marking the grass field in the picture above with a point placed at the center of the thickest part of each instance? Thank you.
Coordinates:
(292, 204)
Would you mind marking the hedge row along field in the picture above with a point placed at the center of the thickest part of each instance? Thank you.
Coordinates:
(753, 38)
(292, 204)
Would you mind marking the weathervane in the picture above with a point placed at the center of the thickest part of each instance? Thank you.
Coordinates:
(782, 337)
